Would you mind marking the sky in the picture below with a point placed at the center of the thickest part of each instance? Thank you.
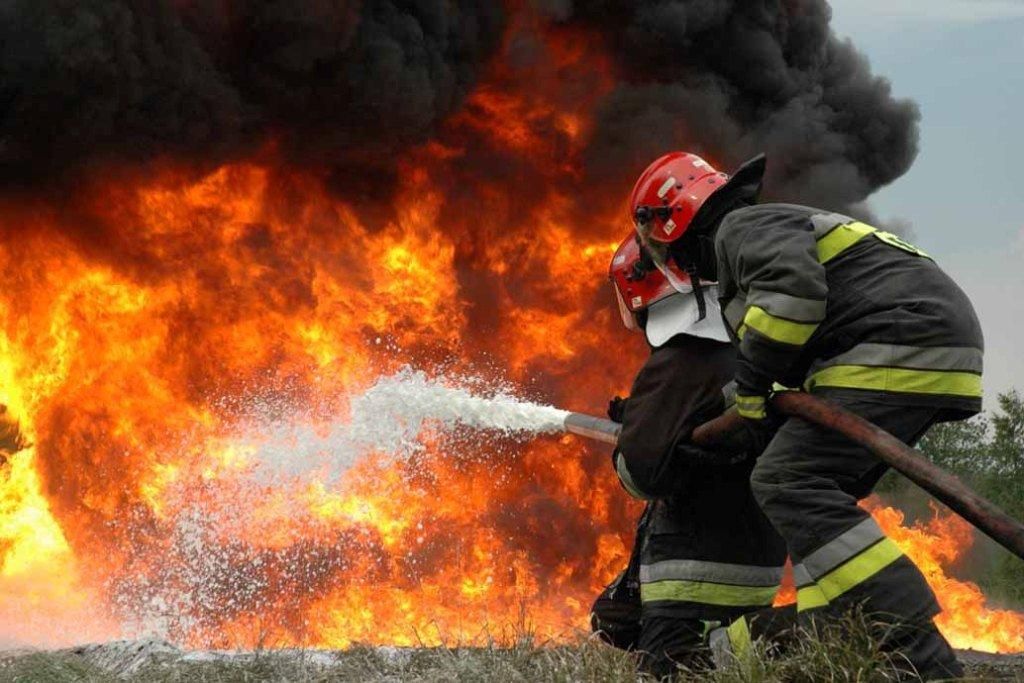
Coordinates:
(962, 61)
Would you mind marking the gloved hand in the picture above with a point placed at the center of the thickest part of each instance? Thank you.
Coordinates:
(753, 389)
(752, 406)
(617, 409)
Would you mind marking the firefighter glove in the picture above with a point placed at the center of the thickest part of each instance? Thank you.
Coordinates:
(753, 391)
(617, 409)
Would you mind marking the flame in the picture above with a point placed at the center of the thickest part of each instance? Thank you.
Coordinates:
(935, 545)
(154, 325)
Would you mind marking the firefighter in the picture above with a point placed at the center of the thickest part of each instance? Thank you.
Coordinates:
(705, 552)
(822, 301)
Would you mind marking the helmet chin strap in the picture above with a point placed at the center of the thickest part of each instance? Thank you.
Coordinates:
(695, 253)
(698, 290)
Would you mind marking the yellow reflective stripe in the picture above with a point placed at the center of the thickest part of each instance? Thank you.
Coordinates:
(739, 637)
(840, 239)
(778, 329)
(810, 597)
(707, 593)
(859, 569)
(902, 380)
(751, 406)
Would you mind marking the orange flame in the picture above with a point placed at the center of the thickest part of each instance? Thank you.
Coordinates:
(935, 545)
(149, 322)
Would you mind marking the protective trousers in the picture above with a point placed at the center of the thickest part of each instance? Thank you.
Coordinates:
(709, 556)
(808, 482)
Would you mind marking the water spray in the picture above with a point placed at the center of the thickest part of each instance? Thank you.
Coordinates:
(410, 399)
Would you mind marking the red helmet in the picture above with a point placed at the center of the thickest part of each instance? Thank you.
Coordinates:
(670, 193)
(638, 281)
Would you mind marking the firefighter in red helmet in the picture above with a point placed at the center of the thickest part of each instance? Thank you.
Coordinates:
(822, 301)
(705, 553)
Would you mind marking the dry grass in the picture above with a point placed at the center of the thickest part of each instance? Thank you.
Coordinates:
(847, 652)
(587, 661)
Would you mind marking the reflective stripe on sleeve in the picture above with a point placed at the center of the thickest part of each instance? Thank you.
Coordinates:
(715, 572)
(752, 407)
(901, 380)
(778, 329)
(791, 308)
(707, 593)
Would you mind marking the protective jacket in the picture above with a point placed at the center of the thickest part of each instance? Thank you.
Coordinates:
(709, 553)
(824, 301)
(683, 384)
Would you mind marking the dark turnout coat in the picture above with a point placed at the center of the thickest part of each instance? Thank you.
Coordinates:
(708, 551)
(824, 301)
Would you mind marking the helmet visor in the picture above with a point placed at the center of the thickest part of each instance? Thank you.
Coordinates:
(658, 251)
(628, 319)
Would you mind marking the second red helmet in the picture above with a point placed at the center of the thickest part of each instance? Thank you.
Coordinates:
(638, 283)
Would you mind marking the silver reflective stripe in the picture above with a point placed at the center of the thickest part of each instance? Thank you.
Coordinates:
(627, 479)
(961, 358)
(788, 307)
(711, 572)
(839, 550)
(801, 577)
(734, 312)
(824, 223)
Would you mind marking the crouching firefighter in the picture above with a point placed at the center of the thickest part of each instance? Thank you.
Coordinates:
(823, 301)
(705, 552)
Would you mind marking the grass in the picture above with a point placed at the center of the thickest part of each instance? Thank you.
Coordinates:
(846, 652)
(587, 661)
(843, 652)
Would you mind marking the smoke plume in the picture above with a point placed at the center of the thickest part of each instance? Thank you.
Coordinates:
(332, 82)
(732, 79)
(348, 85)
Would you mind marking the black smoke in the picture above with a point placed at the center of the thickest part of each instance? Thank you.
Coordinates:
(335, 82)
(732, 78)
(348, 85)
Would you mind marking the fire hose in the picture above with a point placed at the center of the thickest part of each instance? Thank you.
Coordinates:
(944, 486)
